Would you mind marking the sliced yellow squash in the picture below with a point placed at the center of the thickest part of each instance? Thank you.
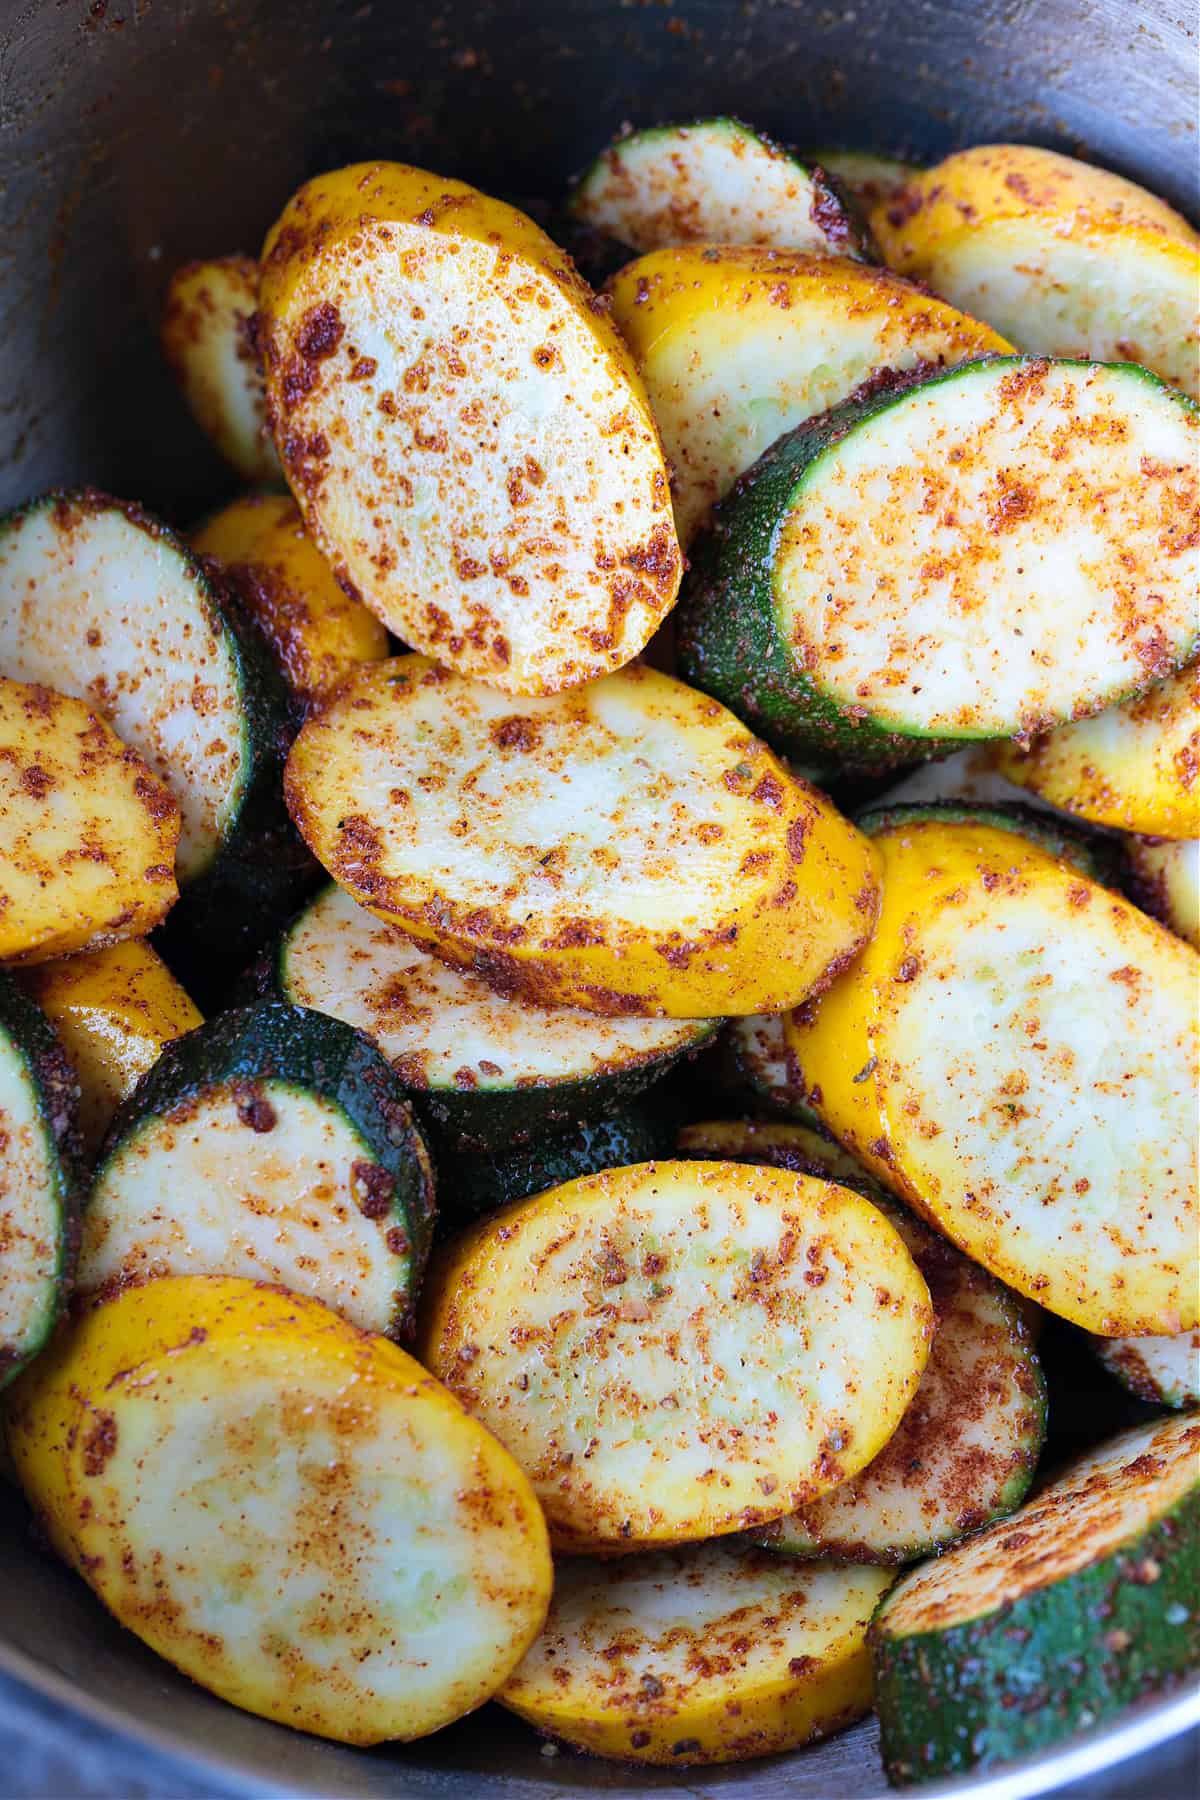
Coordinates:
(87, 833)
(464, 430)
(699, 1656)
(318, 633)
(290, 1510)
(628, 847)
(209, 339)
(736, 346)
(113, 1010)
(1015, 1054)
(678, 1350)
(1135, 766)
(1063, 258)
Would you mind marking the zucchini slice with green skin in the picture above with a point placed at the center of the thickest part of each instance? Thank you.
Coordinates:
(1000, 1056)
(757, 1049)
(1163, 1370)
(868, 179)
(966, 1449)
(1097, 857)
(981, 554)
(713, 181)
(698, 1656)
(39, 1179)
(1164, 879)
(273, 1143)
(631, 1332)
(488, 1074)
(1051, 1620)
(101, 601)
(626, 847)
(209, 339)
(471, 1185)
(289, 1510)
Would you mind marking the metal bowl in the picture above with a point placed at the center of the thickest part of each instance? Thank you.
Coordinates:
(139, 133)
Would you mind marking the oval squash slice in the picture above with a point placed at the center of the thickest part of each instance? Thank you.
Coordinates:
(1135, 767)
(699, 1656)
(678, 1350)
(87, 834)
(1163, 1370)
(464, 430)
(1064, 258)
(1016, 1055)
(209, 338)
(627, 848)
(289, 1510)
(738, 345)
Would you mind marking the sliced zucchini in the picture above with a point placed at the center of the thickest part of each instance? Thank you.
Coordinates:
(1163, 1370)
(698, 1656)
(966, 1449)
(758, 1050)
(270, 565)
(489, 1075)
(113, 1010)
(869, 180)
(290, 1511)
(969, 776)
(1063, 258)
(272, 1143)
(1049, 1621)
(39, 1198)
(627, 848)
(1004, 1055)
(87, 835)
(713, 181)
(210, 339)
(1094, 856)
(470, 1185)
(737, 346)
(1136, 766)
(101, 601)
(985, 553)
(464, 430)
(677, 1350)
(1165, 881)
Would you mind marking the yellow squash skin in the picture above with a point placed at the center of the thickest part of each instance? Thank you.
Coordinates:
(463, 428)
(737, 345)
(1015, 1055)
(675, 1351)
(318, 633)
(87, 834)
(268, 1497)
(1135, 767)
(207, 333)
(699, 1656)
(1067, 259)
(113, 1010)
(628, 847)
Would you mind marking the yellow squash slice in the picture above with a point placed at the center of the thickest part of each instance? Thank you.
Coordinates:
(464, 430)
(678, 1350)
(1015, 1054)
(1063, 258)
(628, 847)
(291, 1511)
(736, 346)
(317, 632)
(699, 1655)
(1136, 766)
(87, 833)
(208, 337)
(113, 1010)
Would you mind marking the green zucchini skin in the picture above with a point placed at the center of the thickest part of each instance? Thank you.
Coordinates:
(1054, 1662)
(727, 636)
(469, 1186)
(295, 1046)
(26, 1034)
(1097, 857)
